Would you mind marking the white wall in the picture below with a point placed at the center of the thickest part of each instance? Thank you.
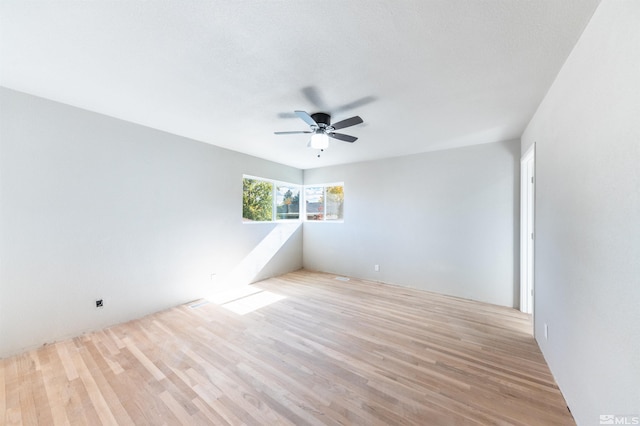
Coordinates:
(443, 221)
(94, 207)
(587, 273)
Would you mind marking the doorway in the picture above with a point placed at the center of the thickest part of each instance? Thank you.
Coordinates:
(527, 224)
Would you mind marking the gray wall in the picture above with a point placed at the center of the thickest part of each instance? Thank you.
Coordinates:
(444, 221)
(587, 272)
(94, 207)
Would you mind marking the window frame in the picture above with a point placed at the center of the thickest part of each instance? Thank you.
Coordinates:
(324, 196)
(274, 200)
(302, 202)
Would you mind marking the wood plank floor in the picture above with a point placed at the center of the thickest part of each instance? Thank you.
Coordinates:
(330, 352)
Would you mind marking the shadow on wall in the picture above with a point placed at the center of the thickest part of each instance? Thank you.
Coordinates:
(249, 268)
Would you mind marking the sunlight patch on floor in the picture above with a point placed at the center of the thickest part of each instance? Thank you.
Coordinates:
(233, 293)
(252, 302)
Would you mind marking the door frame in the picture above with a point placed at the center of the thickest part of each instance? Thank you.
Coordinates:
(527, 229)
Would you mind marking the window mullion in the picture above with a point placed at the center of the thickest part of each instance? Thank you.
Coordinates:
(274, 202)
(324, 201)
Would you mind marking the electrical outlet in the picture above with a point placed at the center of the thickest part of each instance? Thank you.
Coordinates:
(376, 268)
(213, 276)
(99, 303)
(546, 331)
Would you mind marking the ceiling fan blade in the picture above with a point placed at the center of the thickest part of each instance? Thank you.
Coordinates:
(313, 96)
(307, 118)
(347, 123)
(355, 104)
(342, 137)
(287, 115)
(292, 133)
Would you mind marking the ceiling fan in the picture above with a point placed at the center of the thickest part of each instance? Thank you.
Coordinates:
(321, 129)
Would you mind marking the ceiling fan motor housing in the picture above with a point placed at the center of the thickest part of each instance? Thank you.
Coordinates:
(322, 118)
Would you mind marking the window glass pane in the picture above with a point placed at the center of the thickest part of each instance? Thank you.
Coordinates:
(314, 202)
(335, 203)
(257, 200)
(287, 202)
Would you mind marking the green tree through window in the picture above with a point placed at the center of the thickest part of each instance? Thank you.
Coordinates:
(335, 203)
(288, 202)
(257, 200)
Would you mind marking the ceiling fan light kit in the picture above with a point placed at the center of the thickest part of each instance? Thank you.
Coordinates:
(321, 129)
(319, 140)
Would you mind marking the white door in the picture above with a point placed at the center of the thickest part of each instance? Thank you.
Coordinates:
(527, 235)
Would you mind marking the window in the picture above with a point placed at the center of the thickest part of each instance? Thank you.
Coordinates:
(257, 200)
(265, 200)
(287, 202)
(324, 202)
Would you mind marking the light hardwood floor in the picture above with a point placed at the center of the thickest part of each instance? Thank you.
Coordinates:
(329, 352)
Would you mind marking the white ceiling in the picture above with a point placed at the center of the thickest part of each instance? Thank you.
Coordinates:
(424, 75)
